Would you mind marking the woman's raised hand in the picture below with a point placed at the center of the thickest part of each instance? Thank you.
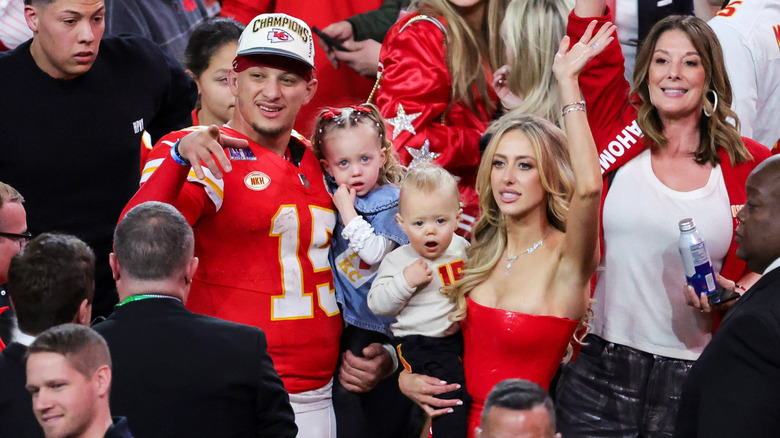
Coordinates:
(569, 62)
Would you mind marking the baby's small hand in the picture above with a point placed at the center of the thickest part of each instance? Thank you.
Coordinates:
(344, 196)
(418, 273)
(344, 199)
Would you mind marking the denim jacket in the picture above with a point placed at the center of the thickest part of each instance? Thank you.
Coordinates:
(352, 276)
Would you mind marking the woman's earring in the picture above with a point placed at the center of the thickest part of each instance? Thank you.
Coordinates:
(714, 104)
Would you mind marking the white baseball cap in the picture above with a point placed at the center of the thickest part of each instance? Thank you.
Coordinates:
(280, 35)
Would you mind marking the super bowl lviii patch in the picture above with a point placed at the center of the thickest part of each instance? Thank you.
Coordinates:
(241, 154)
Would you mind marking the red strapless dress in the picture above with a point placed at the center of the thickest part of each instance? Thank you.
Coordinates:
(501, 344)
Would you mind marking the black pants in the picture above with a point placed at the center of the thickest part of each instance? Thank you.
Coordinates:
(441, 358)
(383, 412)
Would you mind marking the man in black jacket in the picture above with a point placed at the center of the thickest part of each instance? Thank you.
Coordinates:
(74, 109)
(733, 390)
(178, 373)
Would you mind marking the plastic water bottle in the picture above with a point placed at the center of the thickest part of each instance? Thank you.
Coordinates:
(696, 261)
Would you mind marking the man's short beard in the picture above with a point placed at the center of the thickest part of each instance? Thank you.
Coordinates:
(268, 133)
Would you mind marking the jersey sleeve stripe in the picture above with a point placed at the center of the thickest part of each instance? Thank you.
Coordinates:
(149, 169)
(146, 140)
(214, 187)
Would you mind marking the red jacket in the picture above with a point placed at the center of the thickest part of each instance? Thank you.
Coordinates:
(619, 138)
(415, 75)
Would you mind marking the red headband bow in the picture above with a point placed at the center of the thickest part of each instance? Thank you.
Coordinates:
(330, 114)
(334, 112)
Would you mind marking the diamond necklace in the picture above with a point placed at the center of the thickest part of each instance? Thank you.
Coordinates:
(529, 250)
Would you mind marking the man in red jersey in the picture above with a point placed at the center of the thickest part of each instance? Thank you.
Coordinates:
(263, 220)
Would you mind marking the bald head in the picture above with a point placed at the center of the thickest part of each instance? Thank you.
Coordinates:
(768, 168)
(518, 408)
(758, 234)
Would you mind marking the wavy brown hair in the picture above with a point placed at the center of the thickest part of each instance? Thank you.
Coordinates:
(392, 172)
(466, 49)
(714, 130)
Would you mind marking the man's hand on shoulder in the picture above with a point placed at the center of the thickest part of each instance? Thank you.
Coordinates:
(205, 145)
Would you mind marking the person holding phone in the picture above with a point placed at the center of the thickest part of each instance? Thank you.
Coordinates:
(361, 37)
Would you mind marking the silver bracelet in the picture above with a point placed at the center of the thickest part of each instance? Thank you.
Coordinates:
(580, 103)
(572, 108)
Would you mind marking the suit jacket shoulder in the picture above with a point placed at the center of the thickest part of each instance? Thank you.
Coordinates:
(16, 415)
(737, 377)
(210, 377)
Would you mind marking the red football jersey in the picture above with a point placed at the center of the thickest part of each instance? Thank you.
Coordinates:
(262, 237)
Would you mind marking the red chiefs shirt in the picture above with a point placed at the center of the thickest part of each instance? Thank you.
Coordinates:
(262, 235)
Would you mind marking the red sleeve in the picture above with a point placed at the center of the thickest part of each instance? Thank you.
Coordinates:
(605, 90)
(735, 177)
(244, 11)
(2, 309)
(415, 75)
(168, 183)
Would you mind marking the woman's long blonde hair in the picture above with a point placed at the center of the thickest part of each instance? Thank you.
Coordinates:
(715, 130)
(489, 241)
(532, 31)
(466, 49)
(557, 180)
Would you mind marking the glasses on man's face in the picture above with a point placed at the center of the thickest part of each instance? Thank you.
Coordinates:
(20, 238)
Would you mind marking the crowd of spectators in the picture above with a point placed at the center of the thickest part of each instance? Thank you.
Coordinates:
(486, 212)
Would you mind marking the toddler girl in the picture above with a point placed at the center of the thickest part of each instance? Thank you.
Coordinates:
(362, 173)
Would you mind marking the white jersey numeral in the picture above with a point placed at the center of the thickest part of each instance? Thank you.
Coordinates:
(294, 303)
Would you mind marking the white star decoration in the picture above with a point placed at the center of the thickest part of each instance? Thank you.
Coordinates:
(422, 155)
(402, 122)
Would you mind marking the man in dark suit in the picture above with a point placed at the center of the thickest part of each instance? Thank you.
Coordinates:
(177, 373)
(13, 237)
(733, 390)
(51, 282)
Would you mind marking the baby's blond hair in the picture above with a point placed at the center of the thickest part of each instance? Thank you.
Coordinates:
(429, 178)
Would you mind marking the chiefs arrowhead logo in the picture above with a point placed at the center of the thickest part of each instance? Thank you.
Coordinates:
(277, 35)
